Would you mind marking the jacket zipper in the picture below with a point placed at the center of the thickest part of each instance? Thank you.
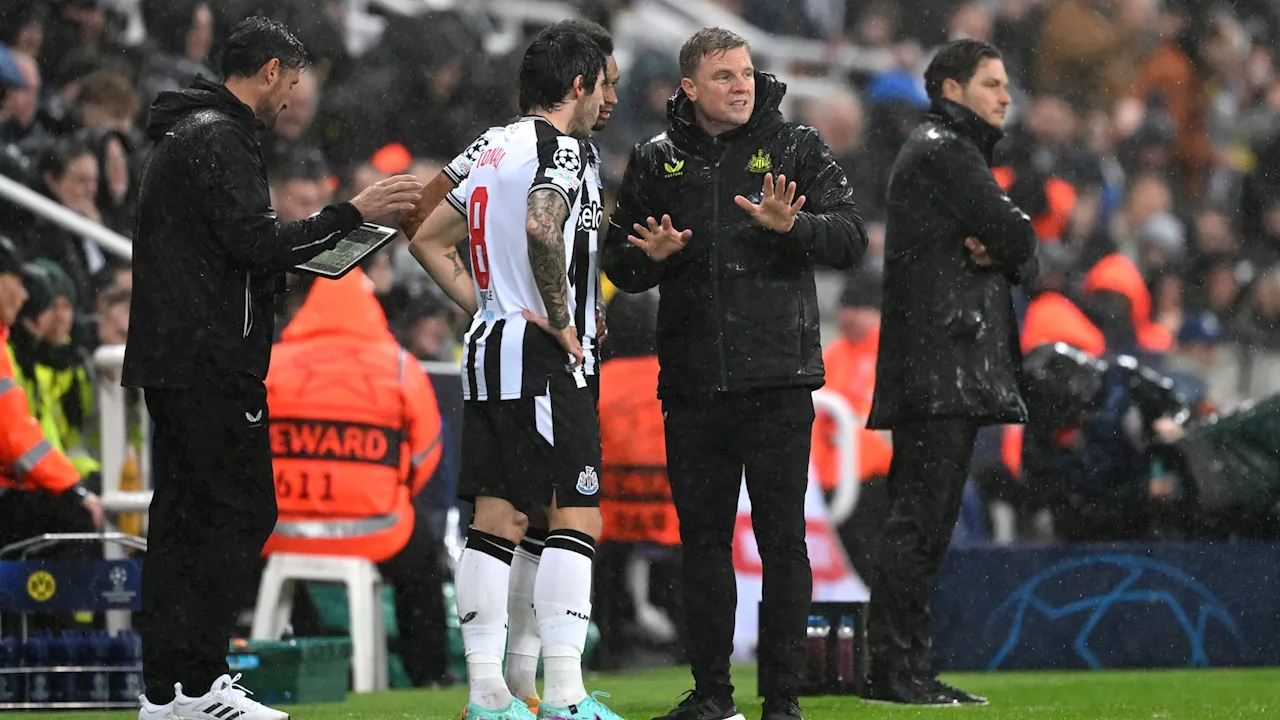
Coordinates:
(717, 301)
(248, 307)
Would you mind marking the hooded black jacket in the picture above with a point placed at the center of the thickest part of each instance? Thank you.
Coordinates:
(208, 251)
(949, 335)
(738, 309)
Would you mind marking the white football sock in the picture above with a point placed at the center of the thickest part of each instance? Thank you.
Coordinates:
(562, 597)
(523, 641)
(484, 572)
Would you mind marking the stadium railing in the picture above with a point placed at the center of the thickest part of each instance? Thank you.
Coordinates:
(23, 196)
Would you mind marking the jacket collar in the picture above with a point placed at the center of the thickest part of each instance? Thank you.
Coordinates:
(686, 133)
(967, 123)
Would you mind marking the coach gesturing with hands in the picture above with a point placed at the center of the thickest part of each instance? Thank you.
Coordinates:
(706, 212)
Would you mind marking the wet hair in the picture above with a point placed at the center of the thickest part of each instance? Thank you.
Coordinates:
(957, 60)
(557, 56)
(595, 31)
(255, 41)
(707, 41)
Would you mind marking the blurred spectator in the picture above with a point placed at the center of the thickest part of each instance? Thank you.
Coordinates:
(18, 112)
(68, 173)
(74, 28)
(427, 333)
(113, 290)
(299, 187)
(62, 373)
(838, 118)
(183, 33)
(1258, 323)
(116, 192)
(292, 133)
(1088, 50)
(1118, 302)
(22, 25)
(1208, 49)
(49, 497)
(106, 100)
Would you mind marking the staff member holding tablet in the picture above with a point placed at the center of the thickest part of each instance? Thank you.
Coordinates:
(208, 257)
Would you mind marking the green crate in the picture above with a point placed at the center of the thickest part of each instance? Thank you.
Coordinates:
(302, 670)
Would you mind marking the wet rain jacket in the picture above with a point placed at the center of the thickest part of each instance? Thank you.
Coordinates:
(355, 430)
(738, 308)
(949, 335)
(208, 249)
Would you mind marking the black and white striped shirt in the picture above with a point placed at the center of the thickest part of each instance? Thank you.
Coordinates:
(584, 277)
(504, 357)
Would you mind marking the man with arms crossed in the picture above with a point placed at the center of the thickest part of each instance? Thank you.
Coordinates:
(435, 247)
(949, 359)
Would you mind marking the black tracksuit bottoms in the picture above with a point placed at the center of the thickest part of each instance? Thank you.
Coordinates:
(213, 508)
(926, 484)
(710, 440)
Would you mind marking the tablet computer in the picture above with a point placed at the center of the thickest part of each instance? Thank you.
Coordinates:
(350, 251)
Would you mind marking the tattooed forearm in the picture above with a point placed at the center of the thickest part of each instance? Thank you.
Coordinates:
(458, 268)
(544, 227)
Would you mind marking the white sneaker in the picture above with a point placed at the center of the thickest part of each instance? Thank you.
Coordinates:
(151, 711)
(224, 701)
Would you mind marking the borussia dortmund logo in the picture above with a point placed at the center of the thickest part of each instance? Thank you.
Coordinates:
(760, 162)
(41, 586)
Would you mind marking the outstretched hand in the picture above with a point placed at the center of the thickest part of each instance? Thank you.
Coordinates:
(659, 240)
(778, 205)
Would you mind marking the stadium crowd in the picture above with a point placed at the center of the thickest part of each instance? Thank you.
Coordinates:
(1144, 141)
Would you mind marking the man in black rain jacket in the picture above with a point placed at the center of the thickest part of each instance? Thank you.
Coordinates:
(208, 252)
(949, 359)
(738, 341)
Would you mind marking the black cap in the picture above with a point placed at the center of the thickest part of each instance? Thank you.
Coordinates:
(863, 288)
(10, 257)
(39, 287)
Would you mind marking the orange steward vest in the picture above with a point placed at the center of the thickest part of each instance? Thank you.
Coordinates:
(355, 429)
(635, 495)
(27, 460)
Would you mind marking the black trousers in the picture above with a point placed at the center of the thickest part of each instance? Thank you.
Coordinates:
(214, 505)
(709, 443)
(925, 486)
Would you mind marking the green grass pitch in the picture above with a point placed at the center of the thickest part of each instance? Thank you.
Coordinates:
(1111, 695)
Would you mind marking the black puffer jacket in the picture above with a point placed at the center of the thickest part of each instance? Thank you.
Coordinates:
(208, 251)
(738, 307)
(949, 335)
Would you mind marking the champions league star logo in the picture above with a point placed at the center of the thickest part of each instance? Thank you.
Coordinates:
(118, 593)
(473, 152)
(1134, 590)
(567, 159)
